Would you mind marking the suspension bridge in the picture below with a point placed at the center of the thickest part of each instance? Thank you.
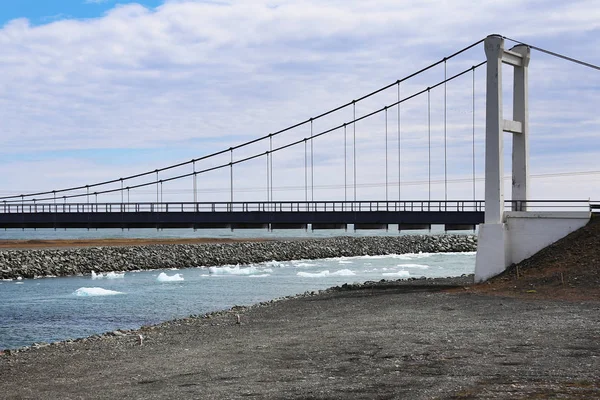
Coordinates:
(406, 154)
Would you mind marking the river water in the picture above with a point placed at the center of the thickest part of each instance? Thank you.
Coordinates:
(53, 309)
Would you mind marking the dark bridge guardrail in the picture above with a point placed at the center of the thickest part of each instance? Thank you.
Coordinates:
(249, 206)
(256, 214)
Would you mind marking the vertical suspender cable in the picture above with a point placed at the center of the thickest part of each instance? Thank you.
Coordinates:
(231, 175)
(195, 183)
(312, 165)
(345, 167)
(386, 153)
(445, 136)
(354, 146)
(429, 139)
(156, 186)
(122, 191)
(267, 174)
(399, 147)
(271, 164)
(305, 170)
(473, 133)
(88, 194)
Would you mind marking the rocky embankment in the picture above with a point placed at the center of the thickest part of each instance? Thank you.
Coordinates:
(81, 261)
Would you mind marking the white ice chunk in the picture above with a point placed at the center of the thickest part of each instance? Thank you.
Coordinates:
(162, 277)
(303, 264)
(108, 275)
(276, 264)
(321, 274)
(343, 272)
(236, 270)
(417, 266)
(412, 256)
(326, 273)
(94, 291)
(399, 274)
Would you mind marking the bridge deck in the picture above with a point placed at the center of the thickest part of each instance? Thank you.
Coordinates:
(279, 215)
(227, 219)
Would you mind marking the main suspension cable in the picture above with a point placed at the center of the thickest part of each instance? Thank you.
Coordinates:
(586, 64)
(224, 151)
(272, 150)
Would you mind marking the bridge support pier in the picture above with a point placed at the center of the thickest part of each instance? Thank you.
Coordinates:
(510, 237)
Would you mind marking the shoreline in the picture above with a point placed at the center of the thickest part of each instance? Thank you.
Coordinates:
(447, 283)
(409, 339)
(69, 261)
(30, 244)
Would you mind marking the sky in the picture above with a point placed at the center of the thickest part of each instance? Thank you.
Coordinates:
(94, 90)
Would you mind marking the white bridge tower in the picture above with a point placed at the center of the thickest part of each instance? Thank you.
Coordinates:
(508, 237)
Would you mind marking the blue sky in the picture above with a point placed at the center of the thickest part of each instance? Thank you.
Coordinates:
(40, 12)
(96, 90)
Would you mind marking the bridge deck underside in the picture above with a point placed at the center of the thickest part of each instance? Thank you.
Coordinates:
(224, 219)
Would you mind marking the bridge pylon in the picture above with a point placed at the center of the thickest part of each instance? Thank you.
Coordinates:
(508, 237)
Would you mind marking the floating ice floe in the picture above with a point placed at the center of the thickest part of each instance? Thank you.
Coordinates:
(412, 256)
(326, 273)
(273, 263)
(260, 276)
(162, 277)
(416, 266)
(108, 275)
(399, 274)
(236, 270)
(95, 291)
(303, 264)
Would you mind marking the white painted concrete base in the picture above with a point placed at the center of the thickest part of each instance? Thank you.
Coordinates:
(492, 247)
(522, 235)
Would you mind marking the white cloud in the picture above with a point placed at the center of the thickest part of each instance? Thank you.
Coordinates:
(194, 77)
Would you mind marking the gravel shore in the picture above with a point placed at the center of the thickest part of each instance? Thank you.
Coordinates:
(33, 263)
(408, 339)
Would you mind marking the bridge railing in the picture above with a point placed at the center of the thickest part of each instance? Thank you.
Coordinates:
(290, 206)
(248, 206)
(547, 205)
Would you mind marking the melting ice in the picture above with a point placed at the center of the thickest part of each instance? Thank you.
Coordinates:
(108, 275)
(94, 291)
(322, 274)
(162, 277)
(236, 270)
